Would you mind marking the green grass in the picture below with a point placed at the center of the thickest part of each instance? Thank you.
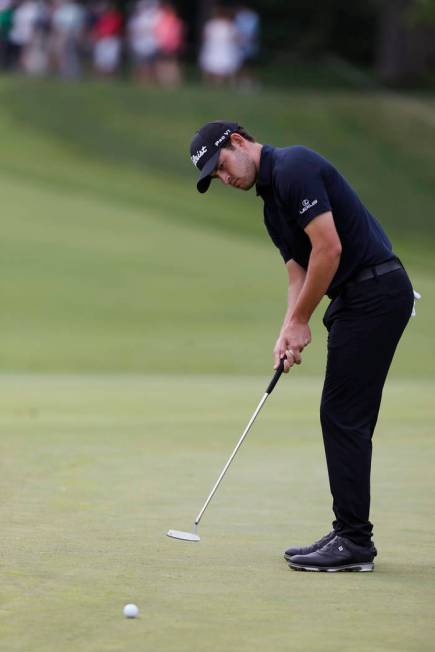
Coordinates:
(137, 324)
(130, 146)
(96, 469)
(113, 262)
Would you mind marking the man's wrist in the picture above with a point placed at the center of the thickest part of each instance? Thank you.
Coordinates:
(298, 319)
(291, 322)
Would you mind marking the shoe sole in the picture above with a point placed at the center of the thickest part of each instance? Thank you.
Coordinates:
(366, 567)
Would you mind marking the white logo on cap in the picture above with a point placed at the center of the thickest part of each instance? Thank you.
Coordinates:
(199, 154)
(222, 138)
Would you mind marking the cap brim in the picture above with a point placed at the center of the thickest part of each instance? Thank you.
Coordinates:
(204, 179)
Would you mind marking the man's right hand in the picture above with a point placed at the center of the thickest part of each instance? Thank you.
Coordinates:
(292, 340)
(281, 350)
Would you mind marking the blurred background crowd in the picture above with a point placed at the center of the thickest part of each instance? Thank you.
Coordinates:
(222, 41)
(147, 39)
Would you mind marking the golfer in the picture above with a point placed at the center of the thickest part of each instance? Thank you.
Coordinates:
(331, 245)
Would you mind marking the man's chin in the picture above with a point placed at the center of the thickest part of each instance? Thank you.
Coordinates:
(246, 185)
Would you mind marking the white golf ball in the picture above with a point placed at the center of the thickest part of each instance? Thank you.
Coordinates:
(131, 611)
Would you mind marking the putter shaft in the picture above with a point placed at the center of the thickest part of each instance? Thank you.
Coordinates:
(268, 391)
(233, 454)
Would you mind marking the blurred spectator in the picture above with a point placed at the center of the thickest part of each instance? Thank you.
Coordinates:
(219, 58)
(247, 23)
(67, 24)
(107, 39)
(28, 37)
(142, 39)
(21, 30)
(6, 17)
(169, 32)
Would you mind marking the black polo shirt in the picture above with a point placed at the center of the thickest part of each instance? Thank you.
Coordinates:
(296, 185)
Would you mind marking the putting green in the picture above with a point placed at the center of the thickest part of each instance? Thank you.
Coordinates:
(96, 469)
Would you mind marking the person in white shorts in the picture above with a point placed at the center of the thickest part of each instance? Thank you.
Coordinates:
(220, 55)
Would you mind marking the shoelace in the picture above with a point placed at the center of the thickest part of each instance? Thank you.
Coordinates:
(320, 541)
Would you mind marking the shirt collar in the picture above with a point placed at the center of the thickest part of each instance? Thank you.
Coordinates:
(264, 177)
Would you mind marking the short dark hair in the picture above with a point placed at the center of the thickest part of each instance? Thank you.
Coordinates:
(242, 132)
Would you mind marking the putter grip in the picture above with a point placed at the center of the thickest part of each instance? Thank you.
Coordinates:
(276, 377)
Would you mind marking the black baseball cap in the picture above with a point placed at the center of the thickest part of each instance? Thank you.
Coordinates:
(205, 148)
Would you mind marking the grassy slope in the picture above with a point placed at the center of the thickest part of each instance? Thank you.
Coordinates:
(114, 462)
(111, 260)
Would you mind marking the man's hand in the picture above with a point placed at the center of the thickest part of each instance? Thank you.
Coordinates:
(292, 340)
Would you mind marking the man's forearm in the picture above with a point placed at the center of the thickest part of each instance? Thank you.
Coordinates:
(322, 267)
(294, 291)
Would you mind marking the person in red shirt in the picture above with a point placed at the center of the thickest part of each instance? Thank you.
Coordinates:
(169, 33)
(107, 39)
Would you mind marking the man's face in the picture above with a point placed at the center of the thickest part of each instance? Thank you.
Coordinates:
(236, 168)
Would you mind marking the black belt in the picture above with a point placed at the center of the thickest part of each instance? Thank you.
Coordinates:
(367, 273)
(376, 270)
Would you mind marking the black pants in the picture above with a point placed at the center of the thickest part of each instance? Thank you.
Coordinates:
(365, 323)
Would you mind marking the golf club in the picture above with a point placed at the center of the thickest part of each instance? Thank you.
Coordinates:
(193, 536)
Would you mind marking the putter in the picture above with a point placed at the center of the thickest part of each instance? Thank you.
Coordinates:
(194, 536)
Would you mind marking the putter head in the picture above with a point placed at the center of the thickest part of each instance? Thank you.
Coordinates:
(184, 536)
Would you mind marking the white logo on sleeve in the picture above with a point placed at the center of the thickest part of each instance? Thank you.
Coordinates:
(306, 205)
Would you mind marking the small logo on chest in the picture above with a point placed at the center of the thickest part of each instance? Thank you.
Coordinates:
(306, 205)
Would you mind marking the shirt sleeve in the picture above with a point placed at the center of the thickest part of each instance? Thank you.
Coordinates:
(303, 191)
